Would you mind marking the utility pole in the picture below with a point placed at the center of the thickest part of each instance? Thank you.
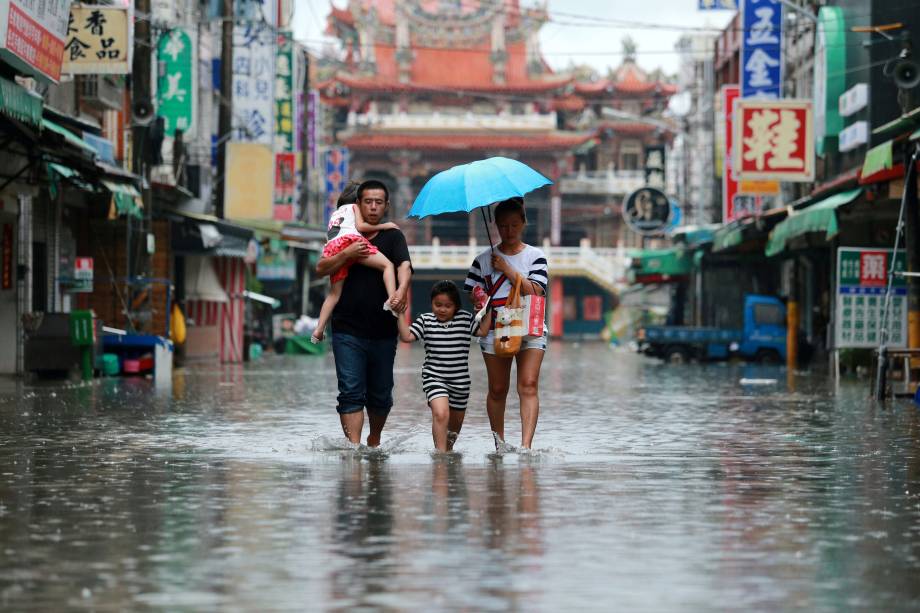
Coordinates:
(142, 108)
(225, 113)
(912, 248)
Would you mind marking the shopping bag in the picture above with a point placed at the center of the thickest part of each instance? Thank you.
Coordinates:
(534, 315)
(509, 323)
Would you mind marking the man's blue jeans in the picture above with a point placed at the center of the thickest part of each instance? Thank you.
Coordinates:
(364, 368)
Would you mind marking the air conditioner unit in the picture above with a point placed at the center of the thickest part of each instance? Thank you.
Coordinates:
(102, 90)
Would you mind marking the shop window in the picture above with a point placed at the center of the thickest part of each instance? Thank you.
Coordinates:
(592, 306)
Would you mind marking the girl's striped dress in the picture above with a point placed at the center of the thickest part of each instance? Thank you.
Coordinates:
(446, 371)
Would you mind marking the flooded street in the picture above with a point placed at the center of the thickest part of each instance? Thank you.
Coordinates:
(653, 487)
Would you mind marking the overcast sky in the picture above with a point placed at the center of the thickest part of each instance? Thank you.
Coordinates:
(577, 31)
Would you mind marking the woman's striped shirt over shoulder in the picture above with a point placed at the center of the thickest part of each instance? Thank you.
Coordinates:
(530, 262)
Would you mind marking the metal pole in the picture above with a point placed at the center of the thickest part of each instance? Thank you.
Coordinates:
(910, 175)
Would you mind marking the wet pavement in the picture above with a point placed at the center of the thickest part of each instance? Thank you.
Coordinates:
(653, 487)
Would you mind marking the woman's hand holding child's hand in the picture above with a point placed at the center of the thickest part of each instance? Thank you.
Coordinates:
(479, 297)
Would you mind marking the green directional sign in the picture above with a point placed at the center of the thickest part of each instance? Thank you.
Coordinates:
(176, 84)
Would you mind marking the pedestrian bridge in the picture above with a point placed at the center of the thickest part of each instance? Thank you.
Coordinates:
(604, 266)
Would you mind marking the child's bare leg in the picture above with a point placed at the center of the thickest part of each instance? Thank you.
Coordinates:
(440, 413)
(325, 312)
(380, 262)
(454, 423)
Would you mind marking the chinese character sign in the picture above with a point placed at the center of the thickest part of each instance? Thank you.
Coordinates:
(285, 186)
(336, 165)
(284, 93)
(862, 282)
(313, 109)
(762, 49)
(32, 36)
(176, 88)
(775, 140)
(654, 167)
(735, 204)
(98, 41)
(254, 82)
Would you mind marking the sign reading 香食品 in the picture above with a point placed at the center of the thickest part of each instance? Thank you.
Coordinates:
(99, 40)
(762, 49)
(862, 282)
(774, 140)
(32, 36)
(177, 87)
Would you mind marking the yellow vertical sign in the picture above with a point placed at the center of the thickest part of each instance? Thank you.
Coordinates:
(249, 181)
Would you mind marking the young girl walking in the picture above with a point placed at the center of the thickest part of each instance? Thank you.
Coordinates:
(446, 332)
(345, 227)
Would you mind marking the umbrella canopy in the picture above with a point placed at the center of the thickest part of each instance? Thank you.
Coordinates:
(477, 184)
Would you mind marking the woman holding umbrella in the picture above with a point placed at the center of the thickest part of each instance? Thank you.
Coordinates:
(478, 185)
(495, 271)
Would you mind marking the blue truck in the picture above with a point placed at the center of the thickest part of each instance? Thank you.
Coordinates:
(762, 339)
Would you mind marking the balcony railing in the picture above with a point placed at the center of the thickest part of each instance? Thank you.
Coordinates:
(466, 121)
(616, 182)
(605, 266)
(101, 90)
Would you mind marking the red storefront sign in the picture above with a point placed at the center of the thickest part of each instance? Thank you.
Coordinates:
(6, 267)
(729, 183)
(774, 140)
(36, 42)
(285, 186)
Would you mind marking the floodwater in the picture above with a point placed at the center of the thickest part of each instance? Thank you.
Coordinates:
(653, 488)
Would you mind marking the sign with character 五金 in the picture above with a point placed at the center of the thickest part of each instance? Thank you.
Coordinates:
(98, 41)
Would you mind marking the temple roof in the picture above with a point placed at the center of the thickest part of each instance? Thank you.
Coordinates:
(466, 65)
(543, 142)
(459, 79)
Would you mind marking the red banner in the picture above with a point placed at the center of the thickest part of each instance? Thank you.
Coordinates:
(28, 40)
(6, 268)
(775, 140)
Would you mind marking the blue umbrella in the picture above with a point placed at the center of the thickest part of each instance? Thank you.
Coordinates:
(474, 185)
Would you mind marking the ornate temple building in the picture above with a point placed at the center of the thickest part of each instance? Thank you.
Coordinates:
(423, 85)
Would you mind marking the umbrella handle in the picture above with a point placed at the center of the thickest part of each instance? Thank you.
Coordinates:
(488, 232)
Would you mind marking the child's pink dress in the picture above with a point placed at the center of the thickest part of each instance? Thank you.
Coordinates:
(342, 232)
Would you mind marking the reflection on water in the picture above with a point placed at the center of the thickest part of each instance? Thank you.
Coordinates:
(653, 487)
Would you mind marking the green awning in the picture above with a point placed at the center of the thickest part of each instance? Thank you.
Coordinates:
(727, 237)
(819, 217)
(878, 158)
(675, 261)
(59, 171)
(901, 124)
(127, 198)
(69, 136)
(19, 103)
